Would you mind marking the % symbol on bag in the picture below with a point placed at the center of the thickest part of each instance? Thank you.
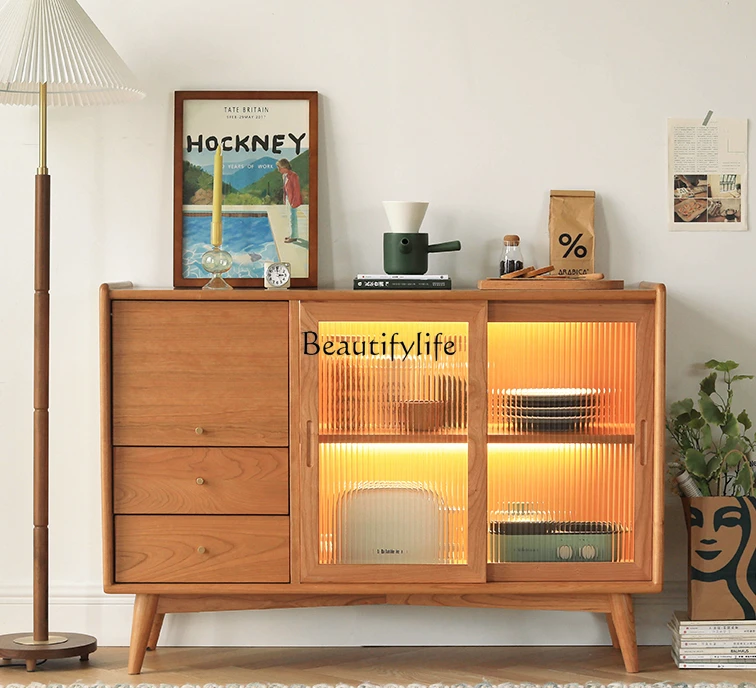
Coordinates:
(576, 249)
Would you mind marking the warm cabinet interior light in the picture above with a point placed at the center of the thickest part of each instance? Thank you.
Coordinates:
(406, 449)
(393, 454)
(561, 377)
(393, 503)
(392, 378)
(561, 496)
(561, 422)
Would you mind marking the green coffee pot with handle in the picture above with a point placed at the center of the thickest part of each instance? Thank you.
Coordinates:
(405, 249)
(407, 253)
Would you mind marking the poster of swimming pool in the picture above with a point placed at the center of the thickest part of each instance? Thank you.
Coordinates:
(268, 146)
(247, 237)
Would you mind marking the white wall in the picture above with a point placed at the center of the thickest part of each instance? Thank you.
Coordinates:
(479, 107)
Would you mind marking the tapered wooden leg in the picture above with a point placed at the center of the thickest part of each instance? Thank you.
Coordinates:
(31, 664)
(157, 625)
(624, 624)
(612, 631)
(145, 607)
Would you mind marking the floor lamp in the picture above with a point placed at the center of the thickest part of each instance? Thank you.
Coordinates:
(51, 53)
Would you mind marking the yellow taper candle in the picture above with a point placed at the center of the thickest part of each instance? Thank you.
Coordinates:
(216, 227)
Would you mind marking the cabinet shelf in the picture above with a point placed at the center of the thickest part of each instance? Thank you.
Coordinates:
(388, 438)
(461, 438)
(560, 438)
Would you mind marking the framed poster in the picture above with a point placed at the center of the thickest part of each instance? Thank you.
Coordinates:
(269, 141)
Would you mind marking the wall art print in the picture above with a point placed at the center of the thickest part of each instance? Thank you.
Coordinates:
(269, 141)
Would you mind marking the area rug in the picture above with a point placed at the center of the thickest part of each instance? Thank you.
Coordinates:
(590, 684)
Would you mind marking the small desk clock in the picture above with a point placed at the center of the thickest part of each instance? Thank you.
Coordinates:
(276, 275)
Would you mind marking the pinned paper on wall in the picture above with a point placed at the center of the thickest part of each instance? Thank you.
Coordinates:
(707, 174)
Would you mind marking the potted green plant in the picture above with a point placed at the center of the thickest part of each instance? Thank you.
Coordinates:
(712, 468)
(711, 443)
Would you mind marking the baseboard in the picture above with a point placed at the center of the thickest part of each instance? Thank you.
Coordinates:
(86, 609)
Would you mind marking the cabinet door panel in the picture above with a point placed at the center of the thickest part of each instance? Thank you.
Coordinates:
(199, 480)
(202, 549)
(570, 487)
(393, 420)
(200, 374)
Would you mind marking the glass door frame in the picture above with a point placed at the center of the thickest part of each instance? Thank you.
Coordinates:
(475, 315)
(642, 314)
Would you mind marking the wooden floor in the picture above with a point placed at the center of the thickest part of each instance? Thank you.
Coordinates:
(376, 665)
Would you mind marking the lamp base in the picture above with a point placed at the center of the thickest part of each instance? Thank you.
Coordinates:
(75, 645)
(51, 640)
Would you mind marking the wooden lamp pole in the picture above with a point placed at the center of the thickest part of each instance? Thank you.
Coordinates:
(41, 379)
(40, 644)
(51, 52)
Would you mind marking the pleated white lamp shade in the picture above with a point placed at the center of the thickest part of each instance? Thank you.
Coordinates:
(55, 41)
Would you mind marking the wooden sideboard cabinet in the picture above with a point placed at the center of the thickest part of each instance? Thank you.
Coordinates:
(325, 448)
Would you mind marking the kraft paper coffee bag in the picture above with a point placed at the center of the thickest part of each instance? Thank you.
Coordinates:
(571, 232)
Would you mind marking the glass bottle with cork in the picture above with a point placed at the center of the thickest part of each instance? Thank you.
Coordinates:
(511, 255)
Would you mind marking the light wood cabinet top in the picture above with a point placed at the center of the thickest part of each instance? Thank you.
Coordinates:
(643, 292)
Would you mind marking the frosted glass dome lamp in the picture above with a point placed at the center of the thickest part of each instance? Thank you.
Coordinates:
(51, 53)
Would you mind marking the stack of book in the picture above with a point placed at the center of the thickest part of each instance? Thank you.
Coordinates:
(713, 644)
(402, 282)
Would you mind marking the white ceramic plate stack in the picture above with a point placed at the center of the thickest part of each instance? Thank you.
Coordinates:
(549, 410)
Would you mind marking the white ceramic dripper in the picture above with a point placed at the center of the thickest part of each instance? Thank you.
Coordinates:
(405, 217)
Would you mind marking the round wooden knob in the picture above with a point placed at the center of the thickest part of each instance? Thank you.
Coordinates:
(200, 481)
(201, 550)
(199, 430)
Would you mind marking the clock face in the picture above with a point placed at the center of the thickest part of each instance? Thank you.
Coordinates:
(277, 274)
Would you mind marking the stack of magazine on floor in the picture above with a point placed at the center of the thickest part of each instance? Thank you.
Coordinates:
(402, 282)
(713, 644)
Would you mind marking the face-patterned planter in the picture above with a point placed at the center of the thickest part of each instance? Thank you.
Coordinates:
(721, 557)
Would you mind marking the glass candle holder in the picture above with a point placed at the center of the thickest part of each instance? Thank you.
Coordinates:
(217, 262)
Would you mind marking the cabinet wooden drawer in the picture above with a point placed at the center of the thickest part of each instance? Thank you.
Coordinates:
(200, 374)
(199, 480)
(202, 549)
